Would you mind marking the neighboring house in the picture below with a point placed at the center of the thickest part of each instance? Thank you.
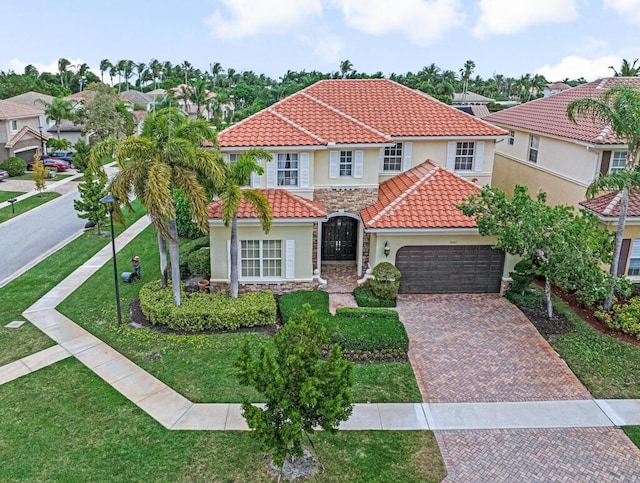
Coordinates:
(363, 171)
(469, 98)
(136, 97)
(555, 88)
(68, 130)
(36, 99)
(190, 108)
(20, 132)
(546, 152)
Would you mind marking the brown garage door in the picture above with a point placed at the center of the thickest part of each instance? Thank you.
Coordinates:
(450, 269)
(26, 155)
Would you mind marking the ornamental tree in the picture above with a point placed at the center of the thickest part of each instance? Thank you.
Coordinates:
(302, 392)
(565, 248)
(89, 207)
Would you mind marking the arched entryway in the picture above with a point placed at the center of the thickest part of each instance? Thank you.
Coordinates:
(340, 239)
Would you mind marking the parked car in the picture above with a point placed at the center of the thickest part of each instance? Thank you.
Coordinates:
(64, 155)
(59, 164)
(3, 175)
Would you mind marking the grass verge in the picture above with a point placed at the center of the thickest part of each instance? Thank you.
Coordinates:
(80, 429)
(29, 177)
(7, 195)
(27, 204)
(634, 434)
(24, 291)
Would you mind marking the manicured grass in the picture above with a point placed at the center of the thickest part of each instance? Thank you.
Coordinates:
(609, 368)
(28, 176)
(24, 291)
(6, 195)
(27, 204)
(63, 423)
(385, 383)
(634, 434)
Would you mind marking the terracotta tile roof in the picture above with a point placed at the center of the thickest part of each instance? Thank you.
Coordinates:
(422, 197)
(608, 205)
(548, 115)
(15, 110)
(284, 204)
(353, 111)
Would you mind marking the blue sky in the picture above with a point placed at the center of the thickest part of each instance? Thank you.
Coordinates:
(557, 38)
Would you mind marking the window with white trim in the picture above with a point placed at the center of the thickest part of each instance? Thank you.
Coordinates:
(346, 163)
(464, 156)
(618, 161)
(233, 157)
(14, 125)
(634, 259)
(392, 159)
(288, 169)
(512, 138)
(534, 145)
(261, 258)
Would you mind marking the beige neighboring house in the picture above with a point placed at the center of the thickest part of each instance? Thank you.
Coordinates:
(20, 133)
(546, 152)
(362, 171)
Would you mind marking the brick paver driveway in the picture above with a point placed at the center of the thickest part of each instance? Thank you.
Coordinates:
(481, 348)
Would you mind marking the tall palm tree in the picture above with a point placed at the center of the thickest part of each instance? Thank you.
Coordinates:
(140, 68)
(155, 67)
(127, 71)
(105, 65)
(465, 75)
(345, 67)
(619, 109)
(57, 110)
(231, 194)
(165, 156)
(198, 95)
(63, 65)
(627, 69)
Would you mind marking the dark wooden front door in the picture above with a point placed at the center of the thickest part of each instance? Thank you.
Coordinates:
(339, 239)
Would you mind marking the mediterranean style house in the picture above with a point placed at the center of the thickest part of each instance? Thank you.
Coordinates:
(363, 171)
(20, 131)
(546, 152)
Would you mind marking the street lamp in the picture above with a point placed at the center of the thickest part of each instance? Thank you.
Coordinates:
(41, 141)
(109, 200)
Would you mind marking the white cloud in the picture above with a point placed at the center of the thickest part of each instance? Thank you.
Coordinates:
(574, 67)
(630, 9)
(245, 18)
(422, 21)
(328, 47)
(510, 17)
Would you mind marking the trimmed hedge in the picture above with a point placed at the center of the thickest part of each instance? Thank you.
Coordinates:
(623, 317)
(366, 298)
(363, 313)
(293, 301)
(368, 332)
(199, 262)
(202, 311)
(189, 248)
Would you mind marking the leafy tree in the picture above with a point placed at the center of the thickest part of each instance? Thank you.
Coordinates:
(57, 110)
(619, 109)
(566, 249)
(89, 206)
(58, 144)
(231, 194)
(81, 155)
(185, 225)
(302, 392)
(103, 117)
(40, 174)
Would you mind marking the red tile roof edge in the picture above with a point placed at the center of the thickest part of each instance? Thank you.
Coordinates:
(312, 206)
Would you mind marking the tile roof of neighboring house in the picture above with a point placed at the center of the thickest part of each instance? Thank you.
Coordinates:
(139, 116)
(558, 85)
(31, 98)
(14, 110)
(477, 110)
(157, 92)
(422, 197)
(284, 204)
(82, 96)
(22, 132)
(608, 205)
(548, 115)
(136, 97)
(460, 98)
(66, 126)
(352, 111)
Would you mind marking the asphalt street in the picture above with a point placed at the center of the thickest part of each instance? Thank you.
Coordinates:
(27, 237)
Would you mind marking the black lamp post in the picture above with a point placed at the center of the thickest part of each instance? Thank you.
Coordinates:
(109, 200)
(13, 208)
(41, 141)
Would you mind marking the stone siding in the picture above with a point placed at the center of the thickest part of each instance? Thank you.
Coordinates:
(351, 200)
(276, 288)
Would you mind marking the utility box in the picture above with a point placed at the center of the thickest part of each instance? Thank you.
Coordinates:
(128, 277)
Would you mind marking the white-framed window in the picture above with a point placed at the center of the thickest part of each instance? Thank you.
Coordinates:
(392, 160)
(233, 157)
(464, 156)
(288, 169)
(618, 161)
(512, 138)
(14, 125)
(346, 163)
(634, 259)
(534, 145)
(261, 258)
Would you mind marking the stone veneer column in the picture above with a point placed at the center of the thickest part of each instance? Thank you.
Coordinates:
(351, 200)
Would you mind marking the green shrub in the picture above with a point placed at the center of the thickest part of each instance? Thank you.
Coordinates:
(14, 166)
(292, 302)
(522, 276)
(199, 262)
(386, 283)
(623, 317)
(369, 331)
(186, 227)
(366, 298)
(202, 311)
(530, 298)
(186, 249)
(362, 313)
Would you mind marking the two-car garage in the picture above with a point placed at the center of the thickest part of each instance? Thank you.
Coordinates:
(450, 269)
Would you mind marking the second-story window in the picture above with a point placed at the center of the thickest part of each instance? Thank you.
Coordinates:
(392, 158)
(346, 163)
(464, 156)
(233, 157)
(534, 145)
(14, 125)
(512, 138)
(288, 169)
(618, 161)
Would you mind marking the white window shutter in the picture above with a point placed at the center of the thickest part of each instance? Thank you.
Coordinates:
(381, 160)
(334, 164)
(358, 164)
(271, 170)
(406, 161)
(256, 180)
(304, 170)
(451, 155)
(290, 259)
(479, 156)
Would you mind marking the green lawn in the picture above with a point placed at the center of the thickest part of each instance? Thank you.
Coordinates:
(634, 434)
(63, 423)
(27, 204)
(24, 291)
(28, 176)
(6, 195)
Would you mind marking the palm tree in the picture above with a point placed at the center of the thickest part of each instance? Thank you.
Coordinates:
(231, 194)
(57, 110)
(465, 75)
(619, 109)
(155, 67)
(627, 69)
(345, 67)
(120, 68)
(127, 71)
(167, 155)
(63, 64)
(140, 68)
(105, 65)
(198, 95)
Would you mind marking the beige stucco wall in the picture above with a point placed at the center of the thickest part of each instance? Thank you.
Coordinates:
(369, 169)
(302, 234)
